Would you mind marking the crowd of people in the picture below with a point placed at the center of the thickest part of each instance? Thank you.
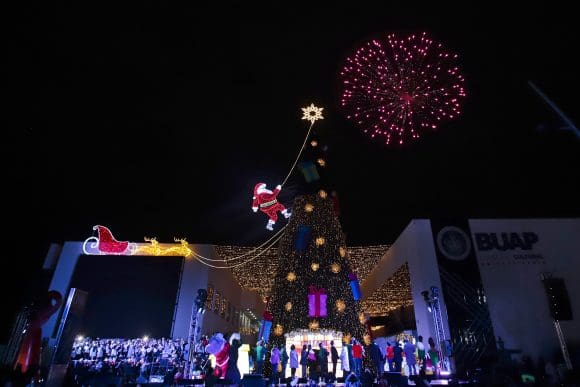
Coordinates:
(132, 359)
(356, 359)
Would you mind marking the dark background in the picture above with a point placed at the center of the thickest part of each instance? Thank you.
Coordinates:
(128, 296)
(158, 121)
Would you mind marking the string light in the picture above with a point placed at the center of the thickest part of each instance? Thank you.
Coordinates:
(393, 294)
(398, 87)
(259, 274)
(308, 207)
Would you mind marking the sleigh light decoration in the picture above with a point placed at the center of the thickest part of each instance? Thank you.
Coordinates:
(106, 244)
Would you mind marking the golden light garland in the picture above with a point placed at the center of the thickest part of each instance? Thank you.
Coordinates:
(259, 274)
(340, 305)
(315, 266)
(288, 306)
(291, 276)
(308, 207)
(335, 268)
(320, 241)
(393, 294)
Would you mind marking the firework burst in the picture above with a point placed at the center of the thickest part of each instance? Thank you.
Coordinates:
(400, 87)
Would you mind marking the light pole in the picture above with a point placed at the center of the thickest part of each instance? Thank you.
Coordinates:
(569, 124)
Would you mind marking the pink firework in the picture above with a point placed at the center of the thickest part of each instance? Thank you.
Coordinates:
(400, 87)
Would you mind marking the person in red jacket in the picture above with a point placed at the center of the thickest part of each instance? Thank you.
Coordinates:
(357, 354)
(390, 356)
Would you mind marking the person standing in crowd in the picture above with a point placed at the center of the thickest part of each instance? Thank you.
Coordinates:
(398, 356)
(409, 350)
(233, 375)
(311, 363)
(434, 356)
(390, 356)
(274, 361)
(283, 360)
(304, 359)
(293, 360)
(357, 354)
(421, 352)
(377, 359)
(333, 357)
(260, 356)
(323, 360)
(344, 362)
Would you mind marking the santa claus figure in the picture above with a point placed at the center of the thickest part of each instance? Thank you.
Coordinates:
(266, 201)
(220, 348)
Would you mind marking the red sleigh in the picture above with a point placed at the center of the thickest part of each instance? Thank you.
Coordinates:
(105, 243)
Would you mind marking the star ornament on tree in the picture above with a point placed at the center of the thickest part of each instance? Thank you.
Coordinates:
(312, 113)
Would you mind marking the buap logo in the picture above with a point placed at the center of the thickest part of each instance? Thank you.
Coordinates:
(453, 243)
(505, 241)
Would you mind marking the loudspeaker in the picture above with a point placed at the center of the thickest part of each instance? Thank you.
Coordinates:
(558, 300)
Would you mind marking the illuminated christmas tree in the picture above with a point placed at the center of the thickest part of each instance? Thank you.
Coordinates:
(312, 289)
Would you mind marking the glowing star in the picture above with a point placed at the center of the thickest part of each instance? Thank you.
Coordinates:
(312, 113)
(288, 306)
(313, 325)
(308, 207)
(315, 266)
(335, 267)
(291, 276)
(278, 330)
(320, 241)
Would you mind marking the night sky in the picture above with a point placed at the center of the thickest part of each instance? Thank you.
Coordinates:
(158, 121)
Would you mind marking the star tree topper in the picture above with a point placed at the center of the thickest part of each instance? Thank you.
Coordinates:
(312, 113)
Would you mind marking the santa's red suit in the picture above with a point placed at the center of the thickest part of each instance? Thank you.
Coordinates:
(221, 361)
(266, 201)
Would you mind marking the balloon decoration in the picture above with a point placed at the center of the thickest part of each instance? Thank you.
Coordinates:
(29, 354)
(354, 286)
(303, 237)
